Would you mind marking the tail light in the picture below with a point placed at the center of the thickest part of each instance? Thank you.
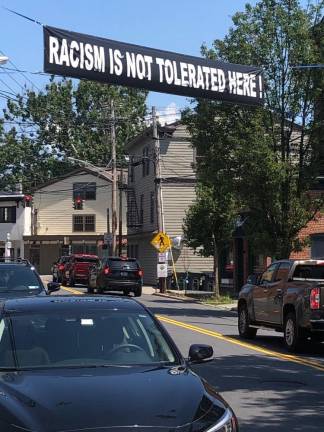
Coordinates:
(107, 270)
(140, 273)
(61, 267)
(315, 298)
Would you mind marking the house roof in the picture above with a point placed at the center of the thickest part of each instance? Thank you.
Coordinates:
(95, 171)
(148, 132)
(11, 196)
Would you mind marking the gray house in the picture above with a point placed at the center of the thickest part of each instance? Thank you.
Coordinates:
(178, 183)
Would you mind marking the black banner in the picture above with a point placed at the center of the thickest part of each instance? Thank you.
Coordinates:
(82, 56)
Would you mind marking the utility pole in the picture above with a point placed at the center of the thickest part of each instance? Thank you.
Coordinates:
(158, 187)
(114, 177)
(120, 213)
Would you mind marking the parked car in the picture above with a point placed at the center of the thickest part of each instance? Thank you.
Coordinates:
(116, 274)
(288, 297)
(19, 278)
(77, 269)
(109, 365)
(58, 268)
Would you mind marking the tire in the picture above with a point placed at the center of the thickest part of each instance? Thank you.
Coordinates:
(245, 331)
(138, 292)
(292, 338)
(71, 282)
(126, 292)
(64, 281)
(55, 279)
(90, 290)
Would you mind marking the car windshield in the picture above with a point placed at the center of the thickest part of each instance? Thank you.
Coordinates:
(82, 339)
(118, 264)
(18, 278)
(86, 259)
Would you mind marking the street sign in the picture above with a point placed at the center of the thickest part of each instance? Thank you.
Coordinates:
(161, 242)
(108, 238)
(162, 270)
(163, 257)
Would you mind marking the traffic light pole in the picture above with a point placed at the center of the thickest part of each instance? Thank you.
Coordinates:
(114, 178)
(158, 187)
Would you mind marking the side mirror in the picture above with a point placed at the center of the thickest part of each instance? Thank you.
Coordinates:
(53, 286)
(198, 353)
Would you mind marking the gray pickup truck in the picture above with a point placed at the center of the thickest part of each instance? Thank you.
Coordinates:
(288, 297)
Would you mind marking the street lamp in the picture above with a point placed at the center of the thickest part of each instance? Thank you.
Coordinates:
(3, 60)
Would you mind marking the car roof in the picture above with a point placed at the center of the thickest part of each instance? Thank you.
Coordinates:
(84, 256)
(69, 303)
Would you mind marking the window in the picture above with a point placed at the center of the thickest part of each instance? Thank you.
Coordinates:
(84, 223)
(85, 191)
(152, 207)
(142, 209)
(283, 270)
(131, 171)
(146, 162)
(268, 274)
(8, 214)
(317, 246)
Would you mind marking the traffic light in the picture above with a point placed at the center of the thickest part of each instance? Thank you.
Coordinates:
(78, 203)
(28, 199)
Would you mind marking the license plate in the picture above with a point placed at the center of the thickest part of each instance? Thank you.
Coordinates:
(123, 273)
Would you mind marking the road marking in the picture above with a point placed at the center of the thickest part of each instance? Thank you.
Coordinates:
(217, 335)
(71, 290)
(268, 352)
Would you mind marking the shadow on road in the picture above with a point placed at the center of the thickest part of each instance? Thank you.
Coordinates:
(190, 309)
(284, 397)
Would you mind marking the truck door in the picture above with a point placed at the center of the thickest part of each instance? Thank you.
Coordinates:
(275, 293)
(261, 291)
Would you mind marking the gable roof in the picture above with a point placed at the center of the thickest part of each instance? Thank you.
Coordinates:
(102, 173)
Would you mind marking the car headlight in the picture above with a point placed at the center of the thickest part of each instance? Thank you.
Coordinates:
(226, 424)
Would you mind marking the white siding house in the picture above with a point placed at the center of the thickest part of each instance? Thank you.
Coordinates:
(178, 192)
(59, 229)
(15, 220)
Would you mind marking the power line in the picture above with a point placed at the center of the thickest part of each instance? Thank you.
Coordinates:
(22, 73)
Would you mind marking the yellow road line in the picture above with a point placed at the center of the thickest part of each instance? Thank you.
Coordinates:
(217, 335)
(71, 290)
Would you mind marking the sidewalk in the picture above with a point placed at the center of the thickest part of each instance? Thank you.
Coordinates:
(182, 297)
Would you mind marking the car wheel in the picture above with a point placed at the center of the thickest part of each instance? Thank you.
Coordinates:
(90, 290)
(291, 336)
(64, 281)
(244, 328)
(71, 282)
(138, 292)
(55, 279)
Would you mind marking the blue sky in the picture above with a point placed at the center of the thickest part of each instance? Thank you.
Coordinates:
(173, 25)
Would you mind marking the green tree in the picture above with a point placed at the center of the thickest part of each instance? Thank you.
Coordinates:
(273, 151)
(66, 120)
(209, 224)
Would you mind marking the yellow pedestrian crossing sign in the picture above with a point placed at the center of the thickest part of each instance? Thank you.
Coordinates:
(161, 242)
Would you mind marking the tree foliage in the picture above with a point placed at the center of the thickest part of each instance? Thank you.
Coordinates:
(272, 152)
(65, 120)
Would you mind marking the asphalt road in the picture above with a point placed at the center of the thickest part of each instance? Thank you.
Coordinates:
(268, 389)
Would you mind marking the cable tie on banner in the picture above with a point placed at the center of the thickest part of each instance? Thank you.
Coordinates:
(23, 16)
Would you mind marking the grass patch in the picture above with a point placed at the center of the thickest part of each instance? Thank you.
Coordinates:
(222, 299)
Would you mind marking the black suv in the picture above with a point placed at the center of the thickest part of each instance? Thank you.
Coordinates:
(116, 274)
(18, 278)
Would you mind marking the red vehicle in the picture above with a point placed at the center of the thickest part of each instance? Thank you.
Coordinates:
(77, 269)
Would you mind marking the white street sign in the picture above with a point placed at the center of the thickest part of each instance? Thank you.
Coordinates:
(162, 270)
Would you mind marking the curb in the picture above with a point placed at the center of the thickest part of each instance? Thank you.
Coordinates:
(192, 300)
